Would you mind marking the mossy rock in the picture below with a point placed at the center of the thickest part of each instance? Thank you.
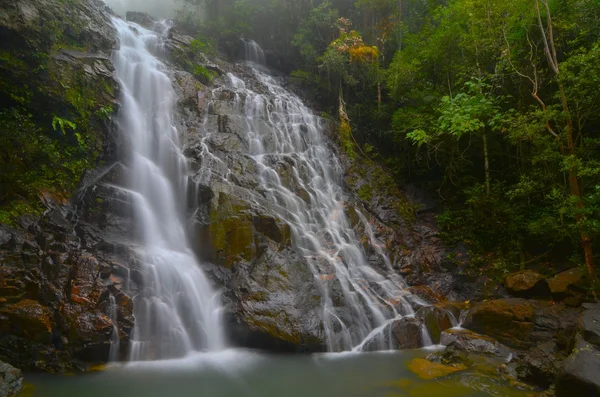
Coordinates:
(428, 370)
(527, 284)
(510, 321)
(435, 320)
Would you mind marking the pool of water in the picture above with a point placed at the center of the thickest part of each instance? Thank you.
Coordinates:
(238, 373)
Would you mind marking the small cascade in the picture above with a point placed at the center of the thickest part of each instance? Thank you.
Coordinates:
(302, 179)
(254, 53)
(115, 340)
(176, 312)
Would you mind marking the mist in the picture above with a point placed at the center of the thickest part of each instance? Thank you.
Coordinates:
(156, 8)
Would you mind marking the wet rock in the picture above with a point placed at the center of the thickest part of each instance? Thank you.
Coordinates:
(426, 293)
(28, 319)
(435, 320)
(510, 321)
(408, 333)
(11, 380)
(472, 342)
(428, 370)
(141, 18)
(276, 297)
(527, 284)
(567, 283)
(456, 310)
(580, 374)
(540, 365)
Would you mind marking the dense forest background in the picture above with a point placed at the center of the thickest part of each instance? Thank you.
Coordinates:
(493, 105)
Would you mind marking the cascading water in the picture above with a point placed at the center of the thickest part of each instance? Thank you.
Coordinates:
(115, 340)
(176, 312)
(279, 128)
(254, 53)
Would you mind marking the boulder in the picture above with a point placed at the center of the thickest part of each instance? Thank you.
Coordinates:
(436, 320)
(567, 283)
(510, 321)
(11, 380)
(580, 375)
(527, 284)
(408, 333)
(472, 342)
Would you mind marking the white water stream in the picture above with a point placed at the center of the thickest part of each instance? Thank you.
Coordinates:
(177, 312)
(279, 129)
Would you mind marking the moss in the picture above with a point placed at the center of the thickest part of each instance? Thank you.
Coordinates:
(427, 370)
(230, 231)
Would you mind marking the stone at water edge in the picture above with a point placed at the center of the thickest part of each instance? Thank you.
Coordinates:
(11, 380)
(428, 370)
(580, 375)
(472, 342)
(510, 321)
(435, 320)
(527, 284)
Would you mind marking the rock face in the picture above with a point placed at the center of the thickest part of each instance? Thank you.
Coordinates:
(11, 380)
(57, 271)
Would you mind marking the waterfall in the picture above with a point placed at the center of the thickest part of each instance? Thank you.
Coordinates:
(176, 312)
(280, 129)
(115, 340)
(254, 53)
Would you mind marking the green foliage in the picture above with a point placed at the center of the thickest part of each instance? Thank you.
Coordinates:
(62, 124)
(203, 74)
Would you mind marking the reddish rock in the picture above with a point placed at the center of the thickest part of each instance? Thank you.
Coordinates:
(27, 318)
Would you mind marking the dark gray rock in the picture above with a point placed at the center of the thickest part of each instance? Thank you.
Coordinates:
(580, 375)
(472, 342)
(540, 365)
(11, 380)
(590, 324)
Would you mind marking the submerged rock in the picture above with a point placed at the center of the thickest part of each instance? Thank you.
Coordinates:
(11, 380)
(428, 370)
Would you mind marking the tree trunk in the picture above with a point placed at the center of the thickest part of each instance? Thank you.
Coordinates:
(379, 95)
(486, 165)
(551, 55)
